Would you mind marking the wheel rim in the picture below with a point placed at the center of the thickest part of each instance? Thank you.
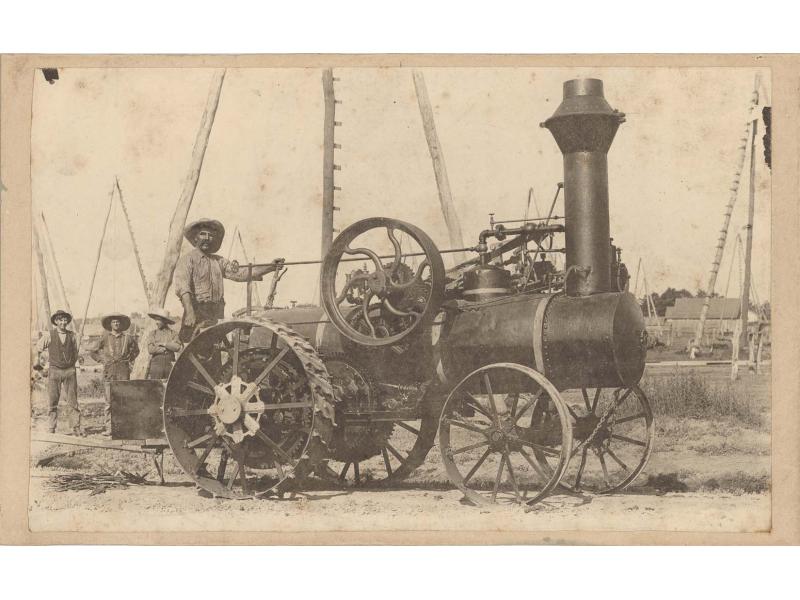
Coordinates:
(487, 439)
(613, 433)
(239, 418)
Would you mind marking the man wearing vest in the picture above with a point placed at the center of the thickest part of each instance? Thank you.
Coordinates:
(163, 345)
(63, 354)
(116, 349)
(199, 274)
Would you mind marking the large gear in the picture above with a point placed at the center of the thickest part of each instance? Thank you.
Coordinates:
(355, 393)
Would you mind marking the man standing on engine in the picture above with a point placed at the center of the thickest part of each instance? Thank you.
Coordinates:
(199, 274)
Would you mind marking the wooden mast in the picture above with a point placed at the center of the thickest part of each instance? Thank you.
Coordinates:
(439, 168)
(50, 254)
(748, 253)
(42, 296)
(176, 226)
(712, 280)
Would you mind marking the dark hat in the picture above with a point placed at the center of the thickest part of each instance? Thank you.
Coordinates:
(124, 320)
(161, 314)
(212, 224)
(60, 313)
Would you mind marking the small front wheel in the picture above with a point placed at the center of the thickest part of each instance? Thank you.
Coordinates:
(489, 441)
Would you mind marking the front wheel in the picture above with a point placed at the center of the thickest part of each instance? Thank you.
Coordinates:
(489, 440)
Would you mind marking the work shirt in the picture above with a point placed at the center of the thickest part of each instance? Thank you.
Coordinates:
(115, 347)
(162, 336)
(201, 275)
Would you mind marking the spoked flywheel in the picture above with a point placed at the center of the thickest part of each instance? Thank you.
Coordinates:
(613, 435)
(375, 301)
(488, 439)
(382, 436)
(248, 408)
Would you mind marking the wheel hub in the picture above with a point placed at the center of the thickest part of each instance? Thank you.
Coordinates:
(236, 409)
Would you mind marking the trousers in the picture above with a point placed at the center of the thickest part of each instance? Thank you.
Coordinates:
(63, 382)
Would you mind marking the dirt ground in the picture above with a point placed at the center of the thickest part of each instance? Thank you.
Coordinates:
(703, 475)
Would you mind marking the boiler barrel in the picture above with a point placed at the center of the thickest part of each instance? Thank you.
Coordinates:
(589, 341)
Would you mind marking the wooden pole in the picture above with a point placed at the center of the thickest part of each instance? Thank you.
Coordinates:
(712, 280)
(328, 166)
(439, 168)
(745, 299)
(43, 297)
(50, 253)
(96, 263)
(178, 222)
(133, 241)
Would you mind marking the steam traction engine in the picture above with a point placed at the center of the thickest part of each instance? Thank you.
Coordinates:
(529, 375)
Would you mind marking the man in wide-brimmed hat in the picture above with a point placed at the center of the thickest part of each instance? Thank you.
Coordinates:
(116, 350)
(199, 274)
(62, 378)
(163, 344)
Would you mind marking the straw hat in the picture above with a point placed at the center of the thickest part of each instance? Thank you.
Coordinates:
(60, 313)
(124, 321)
(161, 314)
(212, 224)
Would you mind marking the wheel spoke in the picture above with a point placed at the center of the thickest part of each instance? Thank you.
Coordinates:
(488, 385)
(470, 447)
(408, 427)
(236, 342)
(234, 475)
(533, 464)
(353, 280)
(366, 252)
(201, 440)
(398, 252)
(272, 364)
(201, 461)
(630, 418)
(397, 312)
(596, 399)
(395, 453)
(356, 473)
(275, 447)
(344, 471)
(514, 402)
(498, 478)
(571, 411)
(624, 438)
(200, 388)
(624, 396)
(202, 370)
(464, 425)
(585, 395)
(476, 404)
(188, 412)
(386, 462)
(477, 466)
(282, 406)
(365, 312)
(616, 458)
(243, 473)
(527, 406)
(223, 464)
(543, 449)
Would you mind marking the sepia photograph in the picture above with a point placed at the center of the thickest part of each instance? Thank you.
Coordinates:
(383, 299)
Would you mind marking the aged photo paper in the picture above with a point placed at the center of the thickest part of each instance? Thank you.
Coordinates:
(399, 299)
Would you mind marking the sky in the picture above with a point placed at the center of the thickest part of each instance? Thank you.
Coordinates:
(671, 165)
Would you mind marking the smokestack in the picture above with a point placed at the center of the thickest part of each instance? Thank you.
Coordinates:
(584, 126)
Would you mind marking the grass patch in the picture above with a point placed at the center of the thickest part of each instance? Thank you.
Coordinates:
(689, 394)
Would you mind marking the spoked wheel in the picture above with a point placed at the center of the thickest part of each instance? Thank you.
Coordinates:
(243, 419)
(613, 435)
(374, 443)
(386, 299)
(487, 437)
